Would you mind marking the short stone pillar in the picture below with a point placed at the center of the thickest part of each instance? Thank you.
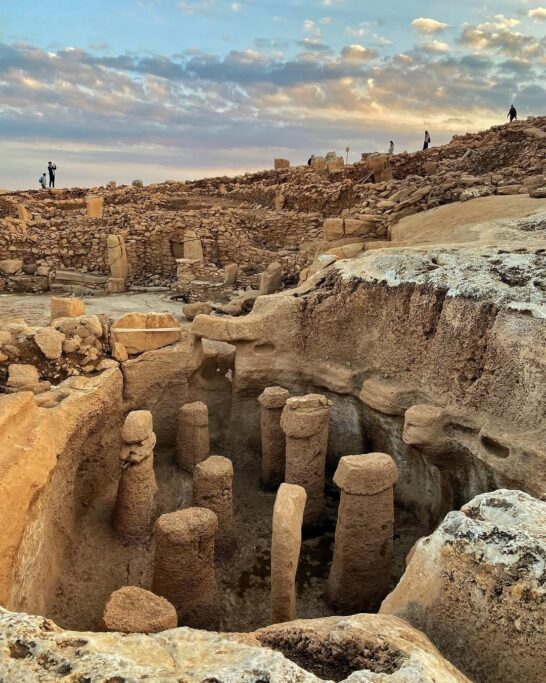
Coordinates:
(271, 279)
(304, 421)
(95, 207)
(213, 489)
(285, 551)
(193, 435)
(23, 213)
(184, 565)
(281, 164)
(136, 503)
(361, 567)
(135, 610)
(272, 401)
(193, 249)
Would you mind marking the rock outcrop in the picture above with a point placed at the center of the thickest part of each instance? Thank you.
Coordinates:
(476, 588)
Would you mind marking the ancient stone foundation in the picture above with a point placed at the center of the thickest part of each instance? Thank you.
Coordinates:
(304, 421)
(272, 401)
(360, 571)
(136, 502)
(285, 551)
(213, 489)
(193, 435)
(135, 610)
(184, 565)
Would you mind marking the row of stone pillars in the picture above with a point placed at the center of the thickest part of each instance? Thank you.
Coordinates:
(186, 541)
(294, 447)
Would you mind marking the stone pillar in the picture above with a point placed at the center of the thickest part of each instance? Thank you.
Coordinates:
(285, 551)
(23, 213)
(230, 274)
(360, 571)
(271, 279)
(193, 249)
(193, 435)
(184, 565)
(135, 610)
(136, 502)
(213, 489)
(95, 207)
(304, 421)
(272, 401)
(119, 265)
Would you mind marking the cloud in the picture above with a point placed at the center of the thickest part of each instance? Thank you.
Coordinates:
(191, 7)
(500, 38)
(428, 25)
(537, 13)
(358, 53)
(434, 46)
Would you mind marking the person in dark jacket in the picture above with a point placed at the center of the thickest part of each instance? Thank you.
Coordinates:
(51, 168)
(427, 140)
(512, 113)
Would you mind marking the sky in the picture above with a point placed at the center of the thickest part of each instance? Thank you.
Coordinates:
(180, 89)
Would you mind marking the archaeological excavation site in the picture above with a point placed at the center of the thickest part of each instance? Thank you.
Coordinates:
(286, 427)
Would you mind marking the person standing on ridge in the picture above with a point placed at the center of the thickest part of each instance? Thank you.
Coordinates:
(391, 147)
(51, 169)
(427, 140)
(512, 113)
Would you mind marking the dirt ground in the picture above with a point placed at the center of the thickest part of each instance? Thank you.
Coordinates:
(35, 308)
(100, 563)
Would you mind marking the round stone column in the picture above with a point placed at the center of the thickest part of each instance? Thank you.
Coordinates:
(361, 567)
(285, 551)
(213, 489)
(272, 401)
(304, 421)
(184, 565)
(193, 435)
(136, 502)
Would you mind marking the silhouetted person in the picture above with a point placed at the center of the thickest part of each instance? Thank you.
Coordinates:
(391, 147)
(51, 169)
(43, 181)
(427, 140)
(512, 113)
(310, 160)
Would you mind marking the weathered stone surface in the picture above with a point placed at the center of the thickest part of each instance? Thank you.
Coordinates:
(10, 266)
(285, 550)
(116, 254)
(193, 249)
(213, 489)
(192, 444)
(272, 401)
(271, 280)
(476, 588)
(66, 307)
(50, 342)
(371, 645)
(140, 336)
(135, 610)
(20, 375)
(138, 426)
(95, 207)
(198, 308)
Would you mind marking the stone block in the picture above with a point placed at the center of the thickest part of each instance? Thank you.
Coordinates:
(50, 342)
(66, 307)
(139, 335)
(95, 207)
(281, 163)
(20, 375)
(10, 266)
(333, 229)
(135, 610)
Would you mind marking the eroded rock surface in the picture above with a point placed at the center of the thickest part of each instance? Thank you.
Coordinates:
(477, 588)
(351, 649)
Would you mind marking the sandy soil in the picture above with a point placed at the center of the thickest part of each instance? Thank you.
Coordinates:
(35, 308)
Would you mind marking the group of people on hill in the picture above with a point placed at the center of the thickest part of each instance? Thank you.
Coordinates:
(51, 169)
(512, 115)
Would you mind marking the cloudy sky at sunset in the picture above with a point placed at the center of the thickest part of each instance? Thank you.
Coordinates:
(175, 89)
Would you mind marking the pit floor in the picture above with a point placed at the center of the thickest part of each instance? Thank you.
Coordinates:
(101, 563)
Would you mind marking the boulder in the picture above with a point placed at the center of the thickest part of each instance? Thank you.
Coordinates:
(139, 335)
(135, 610)
(10, 266)
(66, 307)
(50, 342)
(191, 310)
(476, 588)
(20, 375)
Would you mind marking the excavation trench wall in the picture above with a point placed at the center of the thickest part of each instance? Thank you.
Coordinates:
(377, 351)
